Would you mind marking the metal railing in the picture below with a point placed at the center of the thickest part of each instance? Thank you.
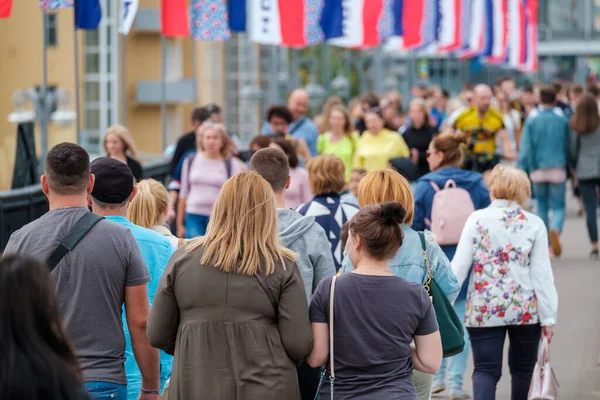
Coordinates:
(21, 206)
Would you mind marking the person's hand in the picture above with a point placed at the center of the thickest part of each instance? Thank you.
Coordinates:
(181, 231)
(548, 332)
(171, 215)
(148, 396)
(414, 156)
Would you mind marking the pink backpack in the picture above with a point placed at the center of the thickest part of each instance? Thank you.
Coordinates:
(450, 210)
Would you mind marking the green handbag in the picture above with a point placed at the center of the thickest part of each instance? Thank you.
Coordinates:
(451, 327)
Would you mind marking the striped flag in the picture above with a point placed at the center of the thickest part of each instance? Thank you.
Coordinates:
(385, 25)
(210, 20)
(129, 9)
(450, 25)
(397, 9)
(359, 23)
(517, 47)
(56, 4)
(531, 18)
(420, 23)
(87, 14)
(5, 8)
(476, 40)
(174, 18)
(499, 37)
(237, 15)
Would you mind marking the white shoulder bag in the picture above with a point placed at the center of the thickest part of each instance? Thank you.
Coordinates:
(544, 385)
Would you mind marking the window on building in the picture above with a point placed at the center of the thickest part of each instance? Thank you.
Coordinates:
(51, 24)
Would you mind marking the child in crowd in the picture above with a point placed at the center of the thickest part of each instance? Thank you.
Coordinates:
(352, 187)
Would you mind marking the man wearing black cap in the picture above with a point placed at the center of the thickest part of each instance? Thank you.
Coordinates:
(94, 277)
(112, 193)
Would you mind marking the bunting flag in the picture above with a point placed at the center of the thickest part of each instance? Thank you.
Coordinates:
(237, 15)
(210, 20)
(517, 46)
(358, 23)
(5, 8)
(476, 40)
(531, 35)
(499, 37)
(386, 23)
(174, 18)
(420, 23)
(129, 9)
(87, 14)
(450, 25)
(56, 4)
(397, 7)
(465, 23)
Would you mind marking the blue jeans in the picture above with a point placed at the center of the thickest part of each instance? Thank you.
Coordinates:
(457, 365)
(195, 225)
(589, 196)
(488, 346)
(106, 390)
(551, 196)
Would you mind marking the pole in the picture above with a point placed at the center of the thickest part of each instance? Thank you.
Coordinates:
(194, 72)
(80, 138)
(163, 90)
(43, 95)
(123, 82)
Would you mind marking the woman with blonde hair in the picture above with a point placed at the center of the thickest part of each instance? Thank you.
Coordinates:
(341, 140)
(419, 133)
(327, 180)
(150, 207)
(231, 305)
(408, 262)
(322, 120)
(511, 289)
(119, 144)
(203, 174)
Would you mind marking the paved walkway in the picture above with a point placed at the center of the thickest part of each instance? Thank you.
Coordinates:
(575, 349)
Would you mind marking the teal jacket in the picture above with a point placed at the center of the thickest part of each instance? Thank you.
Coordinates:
(545, 142)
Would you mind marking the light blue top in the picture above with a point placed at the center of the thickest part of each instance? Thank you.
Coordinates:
(545, 142)
(156, 251)
(302, 128)
(409, 263)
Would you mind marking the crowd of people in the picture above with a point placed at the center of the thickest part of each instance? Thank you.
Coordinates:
(311, 264)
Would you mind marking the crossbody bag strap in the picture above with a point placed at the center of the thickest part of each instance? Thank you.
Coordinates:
(228, 167)
(424, 250)
(78, 232)
(265, 288)
(298, 125)
(331, 303)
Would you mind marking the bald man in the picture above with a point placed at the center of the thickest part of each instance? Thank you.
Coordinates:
(484, 127)
(302, 127)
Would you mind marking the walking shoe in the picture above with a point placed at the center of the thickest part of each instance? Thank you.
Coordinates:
(438, 386)
(594, 255)
(555, 242)
(458, 394)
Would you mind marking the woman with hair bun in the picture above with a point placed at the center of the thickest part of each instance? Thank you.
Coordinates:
(373, 352)
(445, 157)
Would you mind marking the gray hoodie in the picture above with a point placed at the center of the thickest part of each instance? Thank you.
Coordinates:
(306, 238)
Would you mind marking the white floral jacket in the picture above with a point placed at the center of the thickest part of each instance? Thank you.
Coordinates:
(512, 281)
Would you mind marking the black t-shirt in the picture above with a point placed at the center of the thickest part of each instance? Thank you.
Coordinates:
(375, 319)
(136, 168)
(185, 143)
(419, 138)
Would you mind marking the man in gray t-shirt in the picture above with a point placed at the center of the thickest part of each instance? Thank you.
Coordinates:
(104, 271)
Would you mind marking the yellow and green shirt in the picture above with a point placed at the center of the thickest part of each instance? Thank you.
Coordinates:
(344, 149)
(481, 131)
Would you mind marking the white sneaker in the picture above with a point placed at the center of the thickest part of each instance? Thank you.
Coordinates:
(458, 394)
(438, 386)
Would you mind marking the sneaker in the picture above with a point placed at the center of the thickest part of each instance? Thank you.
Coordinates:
(594, 255)
(458, 394)
(438, 386)
(555, 243)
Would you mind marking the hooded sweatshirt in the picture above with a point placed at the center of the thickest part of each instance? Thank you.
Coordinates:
(306, 238)
(471, 181)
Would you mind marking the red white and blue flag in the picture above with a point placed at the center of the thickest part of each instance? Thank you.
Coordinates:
(359, 23)
(531, 35)
(451, 20)
(56, 4)
(476, 41)
(499, 37)
(210, 20)
(420, 23)
(517, 44)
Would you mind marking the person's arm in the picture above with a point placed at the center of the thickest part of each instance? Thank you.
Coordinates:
(441, 269)
(542, 278)
(321, 258)
(320, 349)
(164, 316)
(427, 353)
(137, 310)
(507, 146)
(292, 321)
(463, 258)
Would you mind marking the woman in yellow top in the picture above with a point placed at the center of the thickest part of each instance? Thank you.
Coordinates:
(378, 145)
(341, 141)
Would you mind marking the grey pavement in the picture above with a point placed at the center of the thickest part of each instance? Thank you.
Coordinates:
(575, 349)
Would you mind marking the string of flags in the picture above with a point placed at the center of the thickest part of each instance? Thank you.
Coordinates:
(500, 32)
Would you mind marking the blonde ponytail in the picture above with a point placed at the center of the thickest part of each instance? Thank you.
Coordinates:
(149, 204)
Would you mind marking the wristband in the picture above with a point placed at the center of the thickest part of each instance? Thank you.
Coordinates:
(150, 391)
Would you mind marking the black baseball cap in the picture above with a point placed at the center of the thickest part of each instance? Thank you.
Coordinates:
(114, 180)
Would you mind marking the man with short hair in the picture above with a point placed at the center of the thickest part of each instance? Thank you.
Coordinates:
(113, 191)
(279, 119)
(545, 156)
(94, 279)
(300, 234)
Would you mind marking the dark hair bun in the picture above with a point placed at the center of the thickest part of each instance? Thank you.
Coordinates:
(392, 213)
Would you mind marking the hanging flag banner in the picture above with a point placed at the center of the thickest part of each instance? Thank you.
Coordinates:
(465, 23)
(450, 25)
(5, 8)
(517, 49)
(265, 27)
(55, 4)
(385, 25)
(499, 39)
(129, 9)
(531, 13)
(210, 20)
(87, 14)
(312, 22)
(420, 23)
(174, 18)
(397, 7)
(360, 19)
(237, 15)
(476, 39)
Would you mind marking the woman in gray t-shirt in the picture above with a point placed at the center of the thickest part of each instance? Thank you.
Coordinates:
(377, 316)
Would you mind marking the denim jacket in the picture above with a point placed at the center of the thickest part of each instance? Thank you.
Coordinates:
(545, 142)
(408, 263)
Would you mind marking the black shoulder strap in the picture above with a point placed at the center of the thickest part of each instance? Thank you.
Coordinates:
(298, 125)
(265, 288)
(78, 232)
(423, 242)
(228, 167)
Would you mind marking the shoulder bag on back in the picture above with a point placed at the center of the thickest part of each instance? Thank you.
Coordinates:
(451, 328)
(331, 367)
(78, 232)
